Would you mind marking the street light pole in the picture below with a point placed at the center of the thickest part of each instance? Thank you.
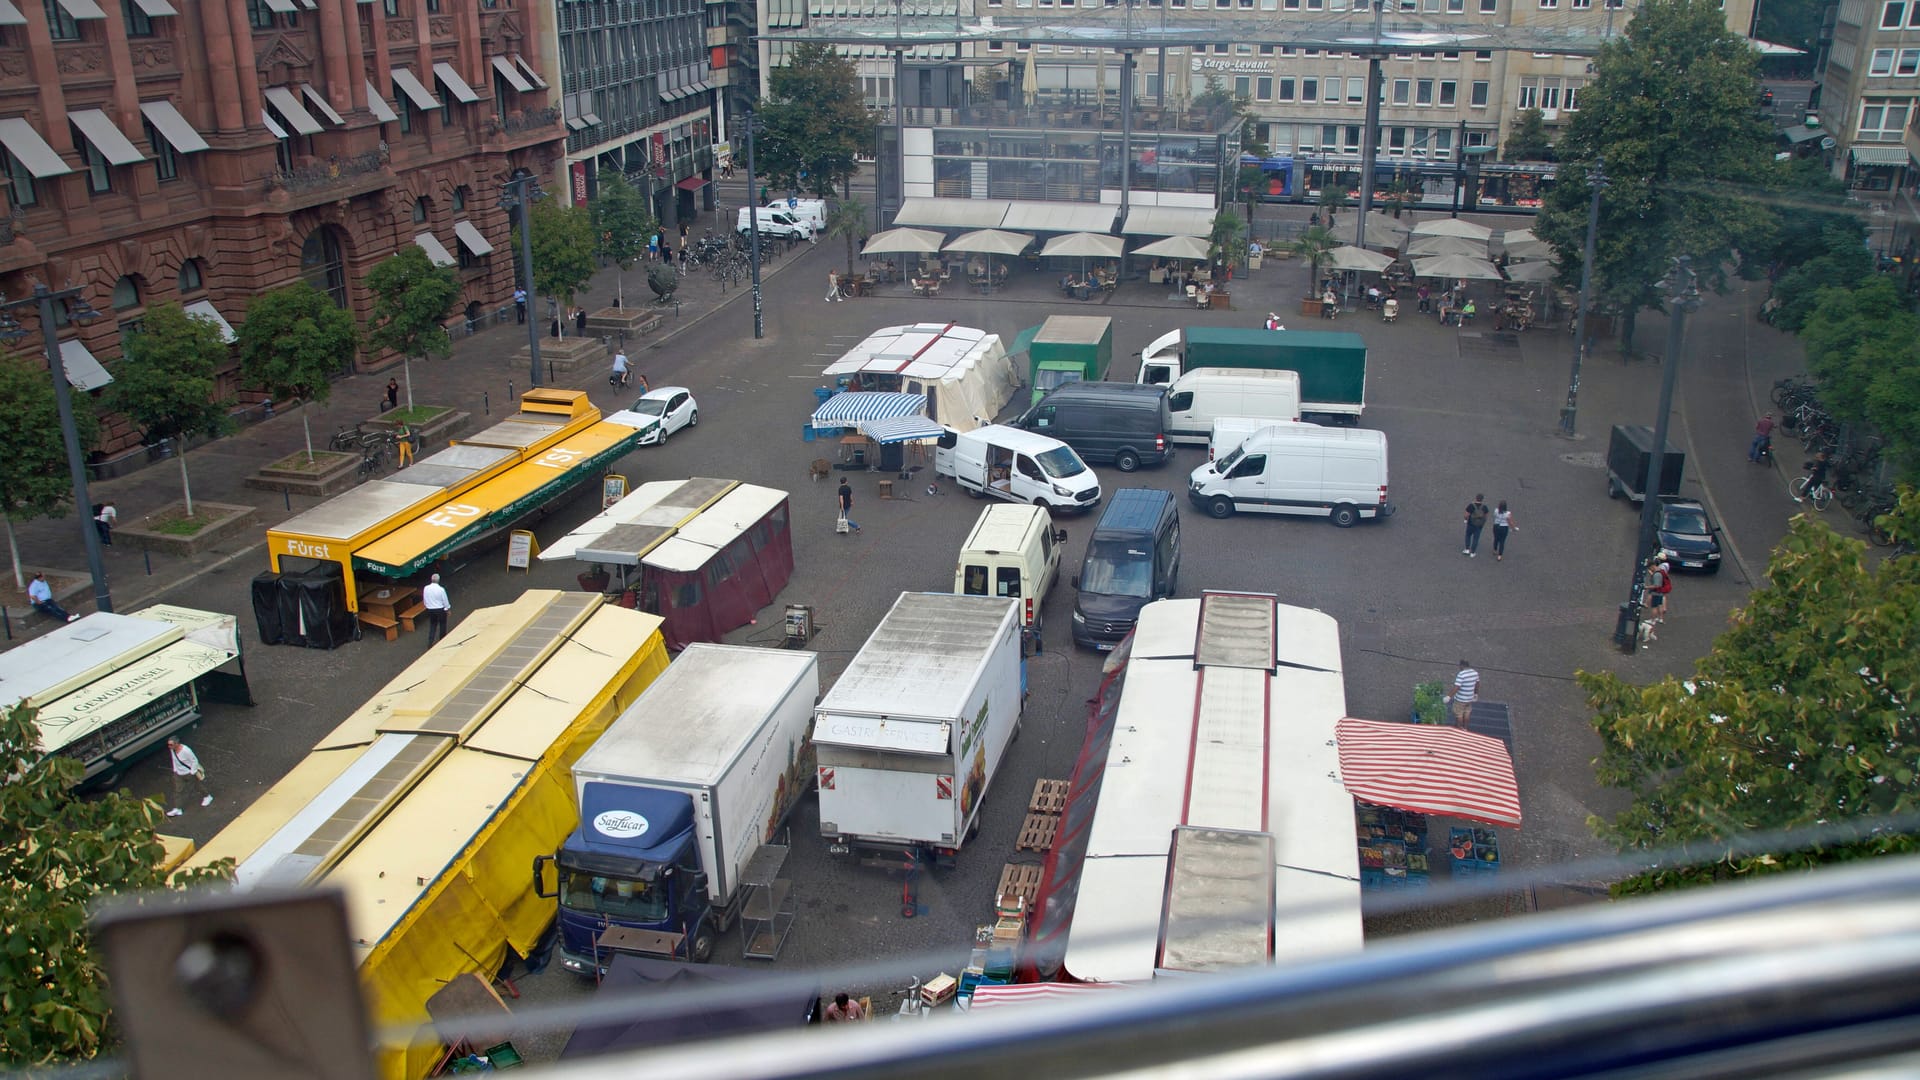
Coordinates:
(44, 299)
(521, 191)
(1683, 296)
(753, 230)
(1597, 180)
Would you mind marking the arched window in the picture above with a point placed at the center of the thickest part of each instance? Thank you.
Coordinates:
(422, 210)
(126, 293)
(191, 279)
(323, 266)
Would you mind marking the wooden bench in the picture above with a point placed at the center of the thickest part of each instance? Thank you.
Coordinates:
(388, 628)
(413, 611)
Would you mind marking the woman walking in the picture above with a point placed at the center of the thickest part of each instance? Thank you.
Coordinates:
(1502, 524)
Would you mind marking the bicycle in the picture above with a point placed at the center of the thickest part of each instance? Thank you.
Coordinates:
(373, 461)
(347, 438)
(1791, 392)
(1803, 490)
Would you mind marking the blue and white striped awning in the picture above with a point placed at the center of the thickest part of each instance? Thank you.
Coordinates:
(850, 409)
(896, 429)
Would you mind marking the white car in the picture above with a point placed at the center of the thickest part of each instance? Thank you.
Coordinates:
(672, 407)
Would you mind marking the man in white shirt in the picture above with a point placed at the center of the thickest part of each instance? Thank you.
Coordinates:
(620, 368)
(187, 773)
(1466, 691)
(40, 595)
(434, 596)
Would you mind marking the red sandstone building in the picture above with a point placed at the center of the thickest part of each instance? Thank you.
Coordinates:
(207, 151)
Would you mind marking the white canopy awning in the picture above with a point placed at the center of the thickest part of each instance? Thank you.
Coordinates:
(1060, 217)
(470, 237)
(166, 119)
(416, 91)
(455, 85)
(435, 249)
(1168, 221)
(203, 309)
(155, 9)
(952, 213)
(105, 137)
(377, 105)
(29, 149)
(291, 110)
(83, 371)
(504, 67)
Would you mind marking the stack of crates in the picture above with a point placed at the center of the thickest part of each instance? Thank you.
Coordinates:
(1474, 851)
(1393, 848)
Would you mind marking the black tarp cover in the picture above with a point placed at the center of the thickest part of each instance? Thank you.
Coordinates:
(746, 1003)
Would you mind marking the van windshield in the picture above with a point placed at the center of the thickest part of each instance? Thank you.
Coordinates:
(1230, 460)
(1061, 463)
(1118, 569)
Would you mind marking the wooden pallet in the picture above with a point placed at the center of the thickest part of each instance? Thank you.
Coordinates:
(1022, 880)
(1049, 797)
(1036, 833)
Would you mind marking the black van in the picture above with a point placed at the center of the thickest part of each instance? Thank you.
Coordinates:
(1107, 423)
(1133, 558)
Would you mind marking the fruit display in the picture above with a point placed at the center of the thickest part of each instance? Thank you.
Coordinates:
(1474, 851)
(1393, 847)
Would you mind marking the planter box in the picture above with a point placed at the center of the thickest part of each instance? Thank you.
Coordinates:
(228, 522)
(1310, 308)
(632, 321)
(560, 356)
(336, 473)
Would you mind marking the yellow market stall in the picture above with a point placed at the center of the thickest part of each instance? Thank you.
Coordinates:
(427, 805)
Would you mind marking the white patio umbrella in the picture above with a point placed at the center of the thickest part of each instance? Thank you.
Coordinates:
(1447, 245)
(1453, 227)
(1086, 245)
(1538, 270)
(1176, 247)
(1522, 244)
(1385, 230)
(991, 242)
(1349, 257)
(1030, 81)
(1456, 266)
(905, 241)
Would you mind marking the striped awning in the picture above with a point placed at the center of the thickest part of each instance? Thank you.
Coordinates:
(1429, 769)
(896, 429)
(988, 996)
(851, 409)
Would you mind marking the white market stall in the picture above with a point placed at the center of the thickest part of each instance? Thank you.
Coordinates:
(964, 373)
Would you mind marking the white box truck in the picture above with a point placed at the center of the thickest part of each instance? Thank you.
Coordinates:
(911, 735)
(677, 795)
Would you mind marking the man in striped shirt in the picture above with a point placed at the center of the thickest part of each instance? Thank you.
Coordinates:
(1466, 690)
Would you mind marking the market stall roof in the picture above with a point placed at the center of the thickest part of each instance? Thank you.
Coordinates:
(651, 512)
(952, 213)
(899, 429)
(1429, 769)
(988, 996)
(849, 410)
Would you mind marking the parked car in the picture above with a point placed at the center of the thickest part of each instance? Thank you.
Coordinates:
(1688, 537)
(673, 406)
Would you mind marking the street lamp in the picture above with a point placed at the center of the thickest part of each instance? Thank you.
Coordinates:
(520, 193)
(78, 310)
(751, 124)
(1597, 180)
(1683, 296)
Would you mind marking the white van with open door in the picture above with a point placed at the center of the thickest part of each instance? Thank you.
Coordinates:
(1013, 552)
(1019, 466)
(1332, 472)
(1196, 399)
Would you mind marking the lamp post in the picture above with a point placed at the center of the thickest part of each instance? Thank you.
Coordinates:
(752, 123)
(78, 310)
(520, 193)
(1597, 180)
(1683, 296)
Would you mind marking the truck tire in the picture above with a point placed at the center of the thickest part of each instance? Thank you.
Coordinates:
(1126, 461)
(702, 949)
(973, 492)
(1344, 516)
(1221, 507)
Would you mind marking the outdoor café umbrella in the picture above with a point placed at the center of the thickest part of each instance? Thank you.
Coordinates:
(1453, 227)
(1447, 245)
(1086, 245)
(1522, 244)
(1176, 247)
(905, 241)
(1349, 257)
(1538, 270)
(1385, 230)
(991, 242)
(1456, 266)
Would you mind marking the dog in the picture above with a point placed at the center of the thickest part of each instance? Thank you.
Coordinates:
(820, 469)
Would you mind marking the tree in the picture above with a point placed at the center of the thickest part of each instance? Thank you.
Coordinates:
(165, 382)
(815, 122)
(1864, 344)
(61, 854)
(1528, 140)
(1227, 242)
(294, 340)
(1844, 264)
(563, 250)
(849, 220)
(1801, 715)
(34, 482)
(1790, 22)
(1313, 246)
(1671, 112)
(621, 225)
(411, 298)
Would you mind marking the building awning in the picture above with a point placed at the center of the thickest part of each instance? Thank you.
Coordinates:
(318, 101)
(576, 123)
(470, 237)
(1800, 133)
(155, 9)
(377, 105)
(10, 15)
(952, 213)
(1878, 155)
(203, 309)
(850, 409)
(105, 137)
(505, 69)
(416, 92)
(83, 371)
(1168, 221)
(455, 85)
(29, 149)
(1060, 217)
(591, 119)
(435, 249)
(283, 6)
(83, 9)
(527, 70)
(173, 127)
(692, 183)
(267, 119)
(290, 109)
(1428, 769)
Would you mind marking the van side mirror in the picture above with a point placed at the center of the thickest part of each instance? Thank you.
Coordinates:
(1059, 536)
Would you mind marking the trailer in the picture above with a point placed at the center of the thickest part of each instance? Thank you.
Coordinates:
(1629, 453)
(1068, 348)
(912, 734)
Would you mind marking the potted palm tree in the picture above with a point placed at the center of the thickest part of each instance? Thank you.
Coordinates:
(1313, 246)
(848, 221)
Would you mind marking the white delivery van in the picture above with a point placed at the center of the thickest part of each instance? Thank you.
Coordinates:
(1014, 552)
(1019, 466)
(1195, 399)
(776, 222)
(1230, 431)
(809, 212)
(1333, 472)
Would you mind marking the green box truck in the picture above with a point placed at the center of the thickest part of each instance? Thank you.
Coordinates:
(1068, 348)
(1332, 366)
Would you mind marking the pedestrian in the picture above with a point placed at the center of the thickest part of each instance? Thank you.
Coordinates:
(1476, 519)
(519, 305)
(1659, 589)
(844, 1008)
(1466, 691)
(683, 233)
(1425, 296)
(580, 320)
(1502, 524)
(1273, 321)
(187, 774)
(846, 505)
(393, 394)
(403, 441)
(105, 517)
(40, 595)
(1762, 438)
(621, 371)
(434, 596)
(833, 286)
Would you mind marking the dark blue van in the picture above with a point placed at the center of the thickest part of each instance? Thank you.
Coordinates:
(1133, 559)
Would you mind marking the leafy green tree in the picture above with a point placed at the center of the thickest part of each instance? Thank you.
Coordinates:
(33, 457)
(564, 244)
(61, 854)
(621, 225)
(1864, 344)
(1801, 715)
(1790, 22)
(848, 220)
(1844, 264)
(1333, 196)
(294, 340)
(1313, 246)
(411, 299)
(1528, 141)
(815, 122)
(165, 382)
(1227, 241)
(1671, 111)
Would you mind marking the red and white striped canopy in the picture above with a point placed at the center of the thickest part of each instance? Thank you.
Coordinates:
(990, 996)
(1429, 769)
